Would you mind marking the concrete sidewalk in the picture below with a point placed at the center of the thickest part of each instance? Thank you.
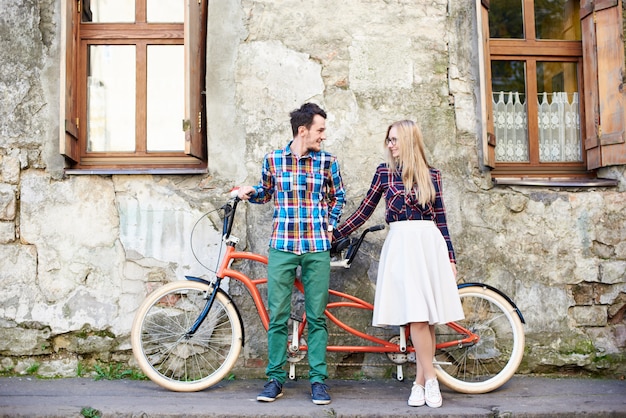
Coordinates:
(521, 397)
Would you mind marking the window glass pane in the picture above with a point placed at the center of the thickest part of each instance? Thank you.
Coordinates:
(111, 98)
(557, 19)
(108, 11)
(166, 11)
(510, 110)
(506, 19)
(166, 100)
(558, 107)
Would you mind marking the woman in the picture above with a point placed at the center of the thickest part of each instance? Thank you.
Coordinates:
(416, 282)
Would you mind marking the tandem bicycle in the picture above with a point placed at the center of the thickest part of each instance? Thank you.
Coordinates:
(187, 335)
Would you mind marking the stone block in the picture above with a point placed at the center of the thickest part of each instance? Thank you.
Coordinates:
(620, 336)
(66, 367)
(7, 232)
(608, 340)
(22, 342)
(602, 250)
(8, 202)
(18, 274)
(613, 272)
(10, 171)
(617, 310)
(255, 363)
(590, 316)
(583, 293)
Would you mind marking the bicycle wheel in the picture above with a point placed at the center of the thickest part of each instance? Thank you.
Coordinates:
(174, 360)
(492, 361)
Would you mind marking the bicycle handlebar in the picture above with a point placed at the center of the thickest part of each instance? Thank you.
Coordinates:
(375, 228)
(230, 208)
(355, 245)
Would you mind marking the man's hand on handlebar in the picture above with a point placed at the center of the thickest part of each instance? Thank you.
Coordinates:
(245, 192)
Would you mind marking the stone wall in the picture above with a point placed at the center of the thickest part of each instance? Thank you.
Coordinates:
(78, 253)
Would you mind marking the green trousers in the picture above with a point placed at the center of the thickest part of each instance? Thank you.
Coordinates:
(315, 276)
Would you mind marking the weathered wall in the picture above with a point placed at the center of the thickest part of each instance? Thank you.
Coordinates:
(78, 253)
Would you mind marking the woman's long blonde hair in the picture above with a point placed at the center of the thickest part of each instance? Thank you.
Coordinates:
(412, 161)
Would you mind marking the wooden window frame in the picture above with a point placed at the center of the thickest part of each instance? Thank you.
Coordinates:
(79, 36)
(600, 107)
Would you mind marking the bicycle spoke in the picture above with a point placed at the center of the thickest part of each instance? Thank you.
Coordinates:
(175, 358)
(489, 362)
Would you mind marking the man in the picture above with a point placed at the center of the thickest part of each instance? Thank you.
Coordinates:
(308, 193)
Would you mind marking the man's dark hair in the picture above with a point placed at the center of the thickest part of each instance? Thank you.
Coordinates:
(304, 116)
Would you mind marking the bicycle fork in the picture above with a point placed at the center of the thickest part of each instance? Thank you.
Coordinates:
(210, 298)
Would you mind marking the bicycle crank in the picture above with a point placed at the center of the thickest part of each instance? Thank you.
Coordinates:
(294, 355)
(400, 358)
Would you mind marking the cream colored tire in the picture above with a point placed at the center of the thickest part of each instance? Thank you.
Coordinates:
(168, 355)
(489, 364)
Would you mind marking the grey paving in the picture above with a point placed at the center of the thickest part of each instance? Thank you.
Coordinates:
(522, 396)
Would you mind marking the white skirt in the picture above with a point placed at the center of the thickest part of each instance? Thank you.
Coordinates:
(415, 280)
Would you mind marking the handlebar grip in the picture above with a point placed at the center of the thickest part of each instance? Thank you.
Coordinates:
(234, 193)
(376, 228)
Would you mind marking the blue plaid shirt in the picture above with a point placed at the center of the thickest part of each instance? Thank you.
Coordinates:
(308, 196)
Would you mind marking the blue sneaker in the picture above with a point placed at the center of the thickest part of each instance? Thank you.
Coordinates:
(319, 394)
(273, 389)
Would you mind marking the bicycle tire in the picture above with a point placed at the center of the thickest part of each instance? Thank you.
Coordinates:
(490, 363)
(171, 359)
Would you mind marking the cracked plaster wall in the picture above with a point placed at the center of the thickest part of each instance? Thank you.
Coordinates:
(79, 253)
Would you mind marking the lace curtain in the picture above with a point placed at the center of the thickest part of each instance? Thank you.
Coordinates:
(559, 127)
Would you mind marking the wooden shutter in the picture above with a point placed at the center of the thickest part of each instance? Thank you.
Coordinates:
(69, 122)
(488, 136)
(195, 73)
(603, 66)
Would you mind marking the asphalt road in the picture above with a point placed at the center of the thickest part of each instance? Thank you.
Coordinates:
(522, 396)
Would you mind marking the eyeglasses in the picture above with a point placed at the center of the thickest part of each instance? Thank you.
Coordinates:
(391, 141)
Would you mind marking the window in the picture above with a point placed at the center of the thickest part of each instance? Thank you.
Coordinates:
(547, 109)
(134, 83)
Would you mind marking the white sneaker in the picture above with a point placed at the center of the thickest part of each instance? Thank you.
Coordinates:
(417, 395)
(432, 394)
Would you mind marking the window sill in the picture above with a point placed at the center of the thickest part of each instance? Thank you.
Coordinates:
(104, 171)
(549, 182)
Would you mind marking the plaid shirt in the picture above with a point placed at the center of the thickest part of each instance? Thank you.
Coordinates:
(308, 196)
(399, 206)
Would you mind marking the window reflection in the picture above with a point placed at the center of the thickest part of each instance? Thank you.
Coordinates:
(111, 98)
(165, 11)
(108, 11)
(506, 19)
(166, 106)
(554, 19)
(557, 19)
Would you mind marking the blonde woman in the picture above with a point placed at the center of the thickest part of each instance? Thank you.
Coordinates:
(416, 282)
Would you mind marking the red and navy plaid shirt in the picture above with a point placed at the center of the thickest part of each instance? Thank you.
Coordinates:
(400, 206)
(308, 196)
